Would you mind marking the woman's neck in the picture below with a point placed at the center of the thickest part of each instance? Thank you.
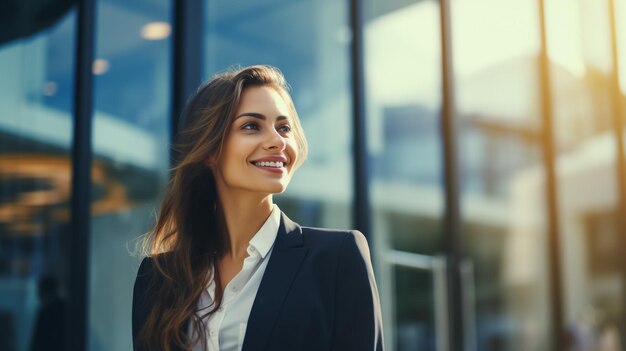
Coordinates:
(243, 216)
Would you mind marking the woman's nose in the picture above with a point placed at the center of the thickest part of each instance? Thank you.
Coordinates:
(275, 140)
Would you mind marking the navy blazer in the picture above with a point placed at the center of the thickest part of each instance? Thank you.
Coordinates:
(317, 293)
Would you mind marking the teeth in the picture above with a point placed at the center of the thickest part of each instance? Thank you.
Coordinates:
(269, 164)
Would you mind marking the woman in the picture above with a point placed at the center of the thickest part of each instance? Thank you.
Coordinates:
(225, 268)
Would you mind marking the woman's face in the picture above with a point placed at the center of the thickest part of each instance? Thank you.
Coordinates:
(260, 150)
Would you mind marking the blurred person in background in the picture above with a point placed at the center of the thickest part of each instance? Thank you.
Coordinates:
(49, 334)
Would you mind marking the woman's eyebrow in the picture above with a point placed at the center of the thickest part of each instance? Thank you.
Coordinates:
(260, 116)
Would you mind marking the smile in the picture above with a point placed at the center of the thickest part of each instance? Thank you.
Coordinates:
(269, 164)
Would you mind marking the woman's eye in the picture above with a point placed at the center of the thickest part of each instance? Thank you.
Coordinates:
(285, 128)
(250, 126)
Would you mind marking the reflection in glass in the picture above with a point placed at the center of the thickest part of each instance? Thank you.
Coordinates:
(579, 46)
(308, 41)
(131, 155)
(496, 46)
(414, 300)
(620, 19)
(36, 88)
(403, 101)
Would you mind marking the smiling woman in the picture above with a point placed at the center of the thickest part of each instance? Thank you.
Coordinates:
(225, 268)
(261, 151)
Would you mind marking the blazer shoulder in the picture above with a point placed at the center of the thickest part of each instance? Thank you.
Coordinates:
(340, 238)
(145, 267)
(337, 234)
(146, 276)
(324, 235)
(342, 233)
(147, 263)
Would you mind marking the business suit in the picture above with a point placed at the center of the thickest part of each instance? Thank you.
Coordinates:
(317, 293)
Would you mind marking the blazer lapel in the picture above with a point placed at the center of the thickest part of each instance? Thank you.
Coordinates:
(287, 255)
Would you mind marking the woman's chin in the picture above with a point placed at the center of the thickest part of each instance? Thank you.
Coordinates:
(278, 188)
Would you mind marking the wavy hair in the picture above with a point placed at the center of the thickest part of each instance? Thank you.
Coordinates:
(186, 240)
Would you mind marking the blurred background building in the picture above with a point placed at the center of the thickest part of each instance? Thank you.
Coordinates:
(478, 143)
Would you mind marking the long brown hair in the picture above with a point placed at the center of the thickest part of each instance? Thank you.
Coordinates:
(186, 240)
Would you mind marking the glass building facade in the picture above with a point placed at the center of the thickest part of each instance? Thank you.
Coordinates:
(479, 145)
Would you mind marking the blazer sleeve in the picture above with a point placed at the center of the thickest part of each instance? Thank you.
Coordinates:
(141, 303)
(358, 321)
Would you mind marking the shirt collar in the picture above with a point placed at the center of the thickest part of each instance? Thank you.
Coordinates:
(264, 239)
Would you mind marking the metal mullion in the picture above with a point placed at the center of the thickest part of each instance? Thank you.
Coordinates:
(410, 260)
(452, 220)
(186, 59)
(618, 129)
(554, 244)
(80, 205)
(361, 204)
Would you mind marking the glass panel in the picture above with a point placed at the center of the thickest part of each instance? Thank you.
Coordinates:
(404, 142)
(309, 42)
(403, 84)
(414, 310)
(581, 74)
(496, 45)
(36, 90)
(131, 155)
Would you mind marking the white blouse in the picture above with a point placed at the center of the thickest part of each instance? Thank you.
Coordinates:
(226, 327)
